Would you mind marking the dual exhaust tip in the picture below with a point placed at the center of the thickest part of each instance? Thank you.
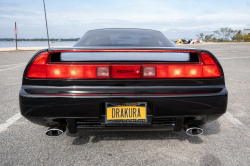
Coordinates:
(191, 130)
(55, 131)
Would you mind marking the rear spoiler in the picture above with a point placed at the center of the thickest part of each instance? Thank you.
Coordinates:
(124, 57)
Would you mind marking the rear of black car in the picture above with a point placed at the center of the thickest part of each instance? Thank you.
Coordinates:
(123, 88)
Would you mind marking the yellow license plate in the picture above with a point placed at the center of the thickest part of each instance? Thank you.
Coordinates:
(127, 111)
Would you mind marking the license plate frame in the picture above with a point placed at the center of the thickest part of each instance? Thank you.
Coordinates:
(127, 104)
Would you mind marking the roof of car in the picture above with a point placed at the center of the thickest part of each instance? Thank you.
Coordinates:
(123, 29)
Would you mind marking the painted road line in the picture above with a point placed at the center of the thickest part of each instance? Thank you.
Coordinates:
(12, 64)
(234, 120)
(10, 121)
(11, 67)
(14, 84)
(235, 57)
(237, 123)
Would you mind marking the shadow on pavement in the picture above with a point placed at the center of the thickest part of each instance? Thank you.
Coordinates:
(210, 159)
(84, 137)
(97, 136)
(211, 128)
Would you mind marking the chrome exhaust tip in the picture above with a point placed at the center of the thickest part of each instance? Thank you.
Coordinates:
(55, 131)
(193, 130)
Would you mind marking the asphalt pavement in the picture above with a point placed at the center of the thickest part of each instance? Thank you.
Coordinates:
(226, 141)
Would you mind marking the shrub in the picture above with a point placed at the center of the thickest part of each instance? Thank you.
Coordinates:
(247, 38)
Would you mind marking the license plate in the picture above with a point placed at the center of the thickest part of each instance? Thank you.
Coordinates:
(126, 112)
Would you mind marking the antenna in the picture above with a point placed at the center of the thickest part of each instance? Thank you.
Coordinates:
(46, 23)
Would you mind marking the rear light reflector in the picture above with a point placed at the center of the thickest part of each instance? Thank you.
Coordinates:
(42, 68)
(149, 71)
(103, 71)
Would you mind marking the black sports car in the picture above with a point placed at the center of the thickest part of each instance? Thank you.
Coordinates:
(123, 79)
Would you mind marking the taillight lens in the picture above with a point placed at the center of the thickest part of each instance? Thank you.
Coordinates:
(103, 71)
(38, 67)
(41, 68)
(207, 68)
(207, 60)
(149, 71)
(193, 71)
(175, 71)
(210, 67)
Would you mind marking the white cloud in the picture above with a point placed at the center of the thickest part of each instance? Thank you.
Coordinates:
(75, 20)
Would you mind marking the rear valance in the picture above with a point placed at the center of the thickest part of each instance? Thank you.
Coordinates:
(124, 57)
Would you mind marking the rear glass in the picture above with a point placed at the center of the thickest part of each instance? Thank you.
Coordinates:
(124, 37)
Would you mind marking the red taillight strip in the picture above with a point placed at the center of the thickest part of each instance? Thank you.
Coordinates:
(124, 50)
(117, 94)
(181, 93)
(40, 68)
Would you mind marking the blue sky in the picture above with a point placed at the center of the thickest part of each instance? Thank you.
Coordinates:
(72, 18)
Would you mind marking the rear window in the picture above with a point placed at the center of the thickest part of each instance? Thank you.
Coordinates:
(124, 37)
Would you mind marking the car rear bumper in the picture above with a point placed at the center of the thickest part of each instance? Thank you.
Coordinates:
(47, 106)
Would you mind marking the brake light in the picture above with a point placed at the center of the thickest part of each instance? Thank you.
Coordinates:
(176, 71)
(210, 67)
(39, 68)
(207, 68)
(42, 68)
(193, 71)
(207, 59)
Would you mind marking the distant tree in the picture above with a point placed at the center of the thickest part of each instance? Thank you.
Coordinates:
(217, 33)
(200, 36)
(238, 37)
(209, 37)
(225, 33)
(220, 40)
(234, 33)
(214, 39)
(229, 33)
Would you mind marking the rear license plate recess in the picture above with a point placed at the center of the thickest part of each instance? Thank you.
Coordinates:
(117, 112)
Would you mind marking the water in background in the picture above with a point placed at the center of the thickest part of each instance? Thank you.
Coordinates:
(35, 43)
